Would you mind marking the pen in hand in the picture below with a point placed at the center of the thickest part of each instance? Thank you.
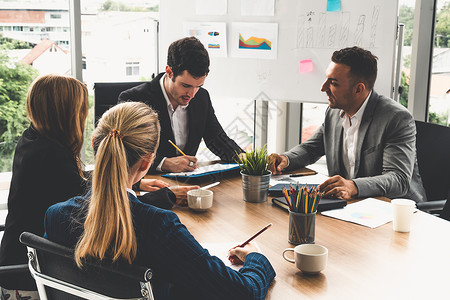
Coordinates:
(176, 147)
(191, 163)
(233, 257)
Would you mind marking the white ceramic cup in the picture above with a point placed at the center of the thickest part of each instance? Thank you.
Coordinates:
(200, 199)
(308, 258)
(402, 212)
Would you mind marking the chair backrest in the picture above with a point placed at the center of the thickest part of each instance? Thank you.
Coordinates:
(107, 93)
(433, 157)
(58, 277)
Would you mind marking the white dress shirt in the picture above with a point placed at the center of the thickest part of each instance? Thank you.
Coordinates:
(351, 130)
(178, 121)
(131, 192)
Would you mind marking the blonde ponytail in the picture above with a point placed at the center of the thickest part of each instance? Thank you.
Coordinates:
(125, 133)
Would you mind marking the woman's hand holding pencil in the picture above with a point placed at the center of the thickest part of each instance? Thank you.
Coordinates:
(237, 254)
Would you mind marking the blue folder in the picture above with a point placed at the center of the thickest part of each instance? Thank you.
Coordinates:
(196, 174)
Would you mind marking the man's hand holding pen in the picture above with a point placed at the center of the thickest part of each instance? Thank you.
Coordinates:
(185, 163)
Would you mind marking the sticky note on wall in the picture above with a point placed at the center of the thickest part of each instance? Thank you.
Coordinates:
(306, 66)
(334, 5)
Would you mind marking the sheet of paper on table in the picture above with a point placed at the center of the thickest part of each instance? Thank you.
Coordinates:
(369, 212)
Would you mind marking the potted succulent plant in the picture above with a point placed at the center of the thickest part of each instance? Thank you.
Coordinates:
(255, 173)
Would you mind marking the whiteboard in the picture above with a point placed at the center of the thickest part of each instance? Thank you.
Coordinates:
(306, 31)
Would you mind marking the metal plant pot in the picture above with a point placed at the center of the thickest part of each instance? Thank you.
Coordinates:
(255, 187)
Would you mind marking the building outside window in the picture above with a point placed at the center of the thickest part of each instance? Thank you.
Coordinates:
(23, 57)
(132, 68)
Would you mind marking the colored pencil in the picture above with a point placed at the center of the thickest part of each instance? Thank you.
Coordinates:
(302, 199)
(255, 235)
(176, 147)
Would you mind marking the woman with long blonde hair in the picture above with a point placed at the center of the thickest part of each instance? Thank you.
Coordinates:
(111, 223)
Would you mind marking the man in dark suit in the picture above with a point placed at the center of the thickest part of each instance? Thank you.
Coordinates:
(184, 107)
(369, 140)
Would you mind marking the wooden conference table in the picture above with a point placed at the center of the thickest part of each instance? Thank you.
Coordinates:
(363, 263)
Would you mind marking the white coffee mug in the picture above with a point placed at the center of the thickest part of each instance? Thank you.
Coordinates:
(308, 258)
(200, 199)
(402, 210)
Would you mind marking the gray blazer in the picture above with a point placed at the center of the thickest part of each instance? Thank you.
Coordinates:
(386, 163)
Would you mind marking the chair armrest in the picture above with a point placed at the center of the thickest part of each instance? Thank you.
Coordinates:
(14, 269)
(431, 205)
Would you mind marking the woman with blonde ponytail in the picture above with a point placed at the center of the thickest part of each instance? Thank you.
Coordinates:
(111, 223)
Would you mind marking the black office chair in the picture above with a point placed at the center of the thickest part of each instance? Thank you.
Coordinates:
(107, 93)
(433, 157)
(13, 272)
(58, 277)
(445, 214)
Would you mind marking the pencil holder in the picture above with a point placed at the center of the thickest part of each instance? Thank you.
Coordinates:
(302, 228)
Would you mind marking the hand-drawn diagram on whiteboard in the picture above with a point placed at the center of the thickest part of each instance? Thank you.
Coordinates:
(254, 40)
(337, 29)
(213, 36)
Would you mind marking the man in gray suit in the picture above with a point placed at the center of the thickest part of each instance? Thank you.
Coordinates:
(369, 140)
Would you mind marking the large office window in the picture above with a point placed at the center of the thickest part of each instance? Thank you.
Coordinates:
(439, 90)
(25, 54)
(406, 17)
(115, 33)
(119, 43)
(426, 93)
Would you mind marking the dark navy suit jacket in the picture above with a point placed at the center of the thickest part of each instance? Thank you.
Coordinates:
(44, 173)
(176, 258)
(202, 121)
